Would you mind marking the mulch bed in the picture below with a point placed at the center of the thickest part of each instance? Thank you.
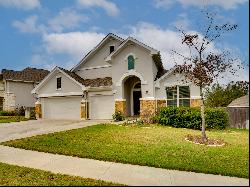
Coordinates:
(198, 140)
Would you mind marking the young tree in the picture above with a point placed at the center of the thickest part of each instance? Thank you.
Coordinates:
(202, 67)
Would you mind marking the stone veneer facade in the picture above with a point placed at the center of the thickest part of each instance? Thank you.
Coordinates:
(9, 102)
(147, 108)
(195, 103)
(120, 106)
(84, 109)
(160, 103)
(1, 94)
(38, 110)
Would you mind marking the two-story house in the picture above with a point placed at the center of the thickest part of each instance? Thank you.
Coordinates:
(117, 75)
(16, 87)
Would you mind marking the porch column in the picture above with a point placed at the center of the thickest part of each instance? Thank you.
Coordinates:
(38, 109)
(195, 102)
(84, 109)
(147, 108)
(120, 106)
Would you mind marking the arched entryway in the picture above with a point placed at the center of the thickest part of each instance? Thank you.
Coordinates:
(132, 95)
(135, 98)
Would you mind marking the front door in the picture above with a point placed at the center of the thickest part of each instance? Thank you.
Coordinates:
(136, 98)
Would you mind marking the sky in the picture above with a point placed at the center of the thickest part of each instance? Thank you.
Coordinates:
(49, 33)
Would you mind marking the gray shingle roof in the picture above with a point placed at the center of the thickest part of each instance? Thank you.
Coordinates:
(240, 102)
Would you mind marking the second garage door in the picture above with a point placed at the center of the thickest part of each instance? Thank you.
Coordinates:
(101, 106)
(61, 108)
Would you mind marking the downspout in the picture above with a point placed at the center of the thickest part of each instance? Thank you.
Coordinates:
(87, 105)
(85, 96)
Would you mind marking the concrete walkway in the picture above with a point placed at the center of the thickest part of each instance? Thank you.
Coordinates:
(114, 172)
(23, 129)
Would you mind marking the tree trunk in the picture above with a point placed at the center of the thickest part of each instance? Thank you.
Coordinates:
(203, 127)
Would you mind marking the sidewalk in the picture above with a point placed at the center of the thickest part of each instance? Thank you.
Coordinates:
(114, 172)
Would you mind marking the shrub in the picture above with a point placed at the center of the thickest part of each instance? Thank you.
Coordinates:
(7, 113)
(216, 118)
(20, 111)
(186, 117)
(33, 114)
(118, 116)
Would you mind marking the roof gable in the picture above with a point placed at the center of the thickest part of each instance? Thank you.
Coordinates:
(93, 51)
(167, 73)
(52, 73)
(125, 43)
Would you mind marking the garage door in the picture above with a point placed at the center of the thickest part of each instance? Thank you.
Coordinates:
(101, 107)
(61, 108)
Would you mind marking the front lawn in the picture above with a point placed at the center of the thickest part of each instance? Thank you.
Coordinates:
(156, 146)
(8, 119)
(11, 175)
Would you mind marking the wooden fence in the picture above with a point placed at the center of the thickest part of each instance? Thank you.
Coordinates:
(238, 117)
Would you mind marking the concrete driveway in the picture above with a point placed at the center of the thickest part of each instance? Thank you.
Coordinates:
(23, 129)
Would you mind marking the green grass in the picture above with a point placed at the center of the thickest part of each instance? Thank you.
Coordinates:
(156, 146)
(8, 119)
(11, 175)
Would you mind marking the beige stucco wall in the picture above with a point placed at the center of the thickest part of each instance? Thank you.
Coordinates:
(143, 65)
(98, 60)
(22, 93)
(95, 73)
(176, 79)
(94, 93)
(68, 85)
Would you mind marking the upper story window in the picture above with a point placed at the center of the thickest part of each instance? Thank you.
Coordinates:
(178, 96)
(58, 83)
(111, 49)
(131, 62)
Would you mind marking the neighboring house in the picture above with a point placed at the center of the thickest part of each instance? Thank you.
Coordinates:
(16, 87)
(117, 75)
(238, 111)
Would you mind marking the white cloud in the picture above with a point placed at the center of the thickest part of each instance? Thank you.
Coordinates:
(21, 4)
(75, 44)
(110, 8)
(66, 19)
(49, 62)
(226, 4)
(182, 22)
(166, 40)
(29, 25)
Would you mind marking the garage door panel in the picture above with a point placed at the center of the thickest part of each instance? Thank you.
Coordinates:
(61, 108)
(101, 106)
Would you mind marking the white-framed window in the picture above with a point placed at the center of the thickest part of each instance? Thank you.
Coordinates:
(59, 83)
(178, 96)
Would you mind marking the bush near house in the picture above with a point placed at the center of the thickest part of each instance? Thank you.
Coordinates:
(19, 111)
(186, 117)
(118, 116)
(7, 113)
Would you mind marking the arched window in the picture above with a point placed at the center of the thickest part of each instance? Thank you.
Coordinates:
(131, 62)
